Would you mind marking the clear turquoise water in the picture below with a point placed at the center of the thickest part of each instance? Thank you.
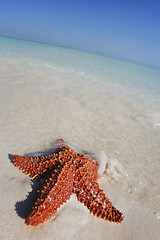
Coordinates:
(104, 68)
(95, 103)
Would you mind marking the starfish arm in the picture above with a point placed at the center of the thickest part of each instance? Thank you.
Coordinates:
(52, 197)
(89, 193)
(35, 166)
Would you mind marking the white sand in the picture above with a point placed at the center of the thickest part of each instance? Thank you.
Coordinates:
(41, 103)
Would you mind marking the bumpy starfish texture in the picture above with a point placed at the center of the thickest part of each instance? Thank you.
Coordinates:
(64, 173)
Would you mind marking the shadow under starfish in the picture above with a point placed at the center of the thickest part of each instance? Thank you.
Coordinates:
(61, 174)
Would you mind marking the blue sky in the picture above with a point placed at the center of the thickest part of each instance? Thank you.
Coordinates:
(120, 28)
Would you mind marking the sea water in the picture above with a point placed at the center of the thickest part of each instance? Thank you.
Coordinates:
(95, 103)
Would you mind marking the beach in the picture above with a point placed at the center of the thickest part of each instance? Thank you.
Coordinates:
(94, 103)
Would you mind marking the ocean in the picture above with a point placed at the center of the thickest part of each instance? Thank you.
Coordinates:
(95, 103)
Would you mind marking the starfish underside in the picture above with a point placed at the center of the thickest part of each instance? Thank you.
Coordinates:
(64, 173)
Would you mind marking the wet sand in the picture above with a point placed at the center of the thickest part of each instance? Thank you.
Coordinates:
(40, 103)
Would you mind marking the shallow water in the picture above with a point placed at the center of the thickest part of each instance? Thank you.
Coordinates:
(94, 103)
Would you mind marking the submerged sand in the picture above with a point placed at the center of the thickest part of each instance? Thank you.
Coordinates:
(73, 220)
(41, 103)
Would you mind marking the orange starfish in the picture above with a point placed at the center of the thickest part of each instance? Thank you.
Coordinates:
(64, 173)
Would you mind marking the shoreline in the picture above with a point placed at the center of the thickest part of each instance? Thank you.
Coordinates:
(41, 103)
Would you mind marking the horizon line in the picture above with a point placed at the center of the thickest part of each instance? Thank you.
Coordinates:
(79, 50)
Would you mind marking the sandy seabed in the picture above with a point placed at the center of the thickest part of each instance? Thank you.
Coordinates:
(73, 220)
(39, 104)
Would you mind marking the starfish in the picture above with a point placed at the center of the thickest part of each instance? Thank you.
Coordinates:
(63, 173)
